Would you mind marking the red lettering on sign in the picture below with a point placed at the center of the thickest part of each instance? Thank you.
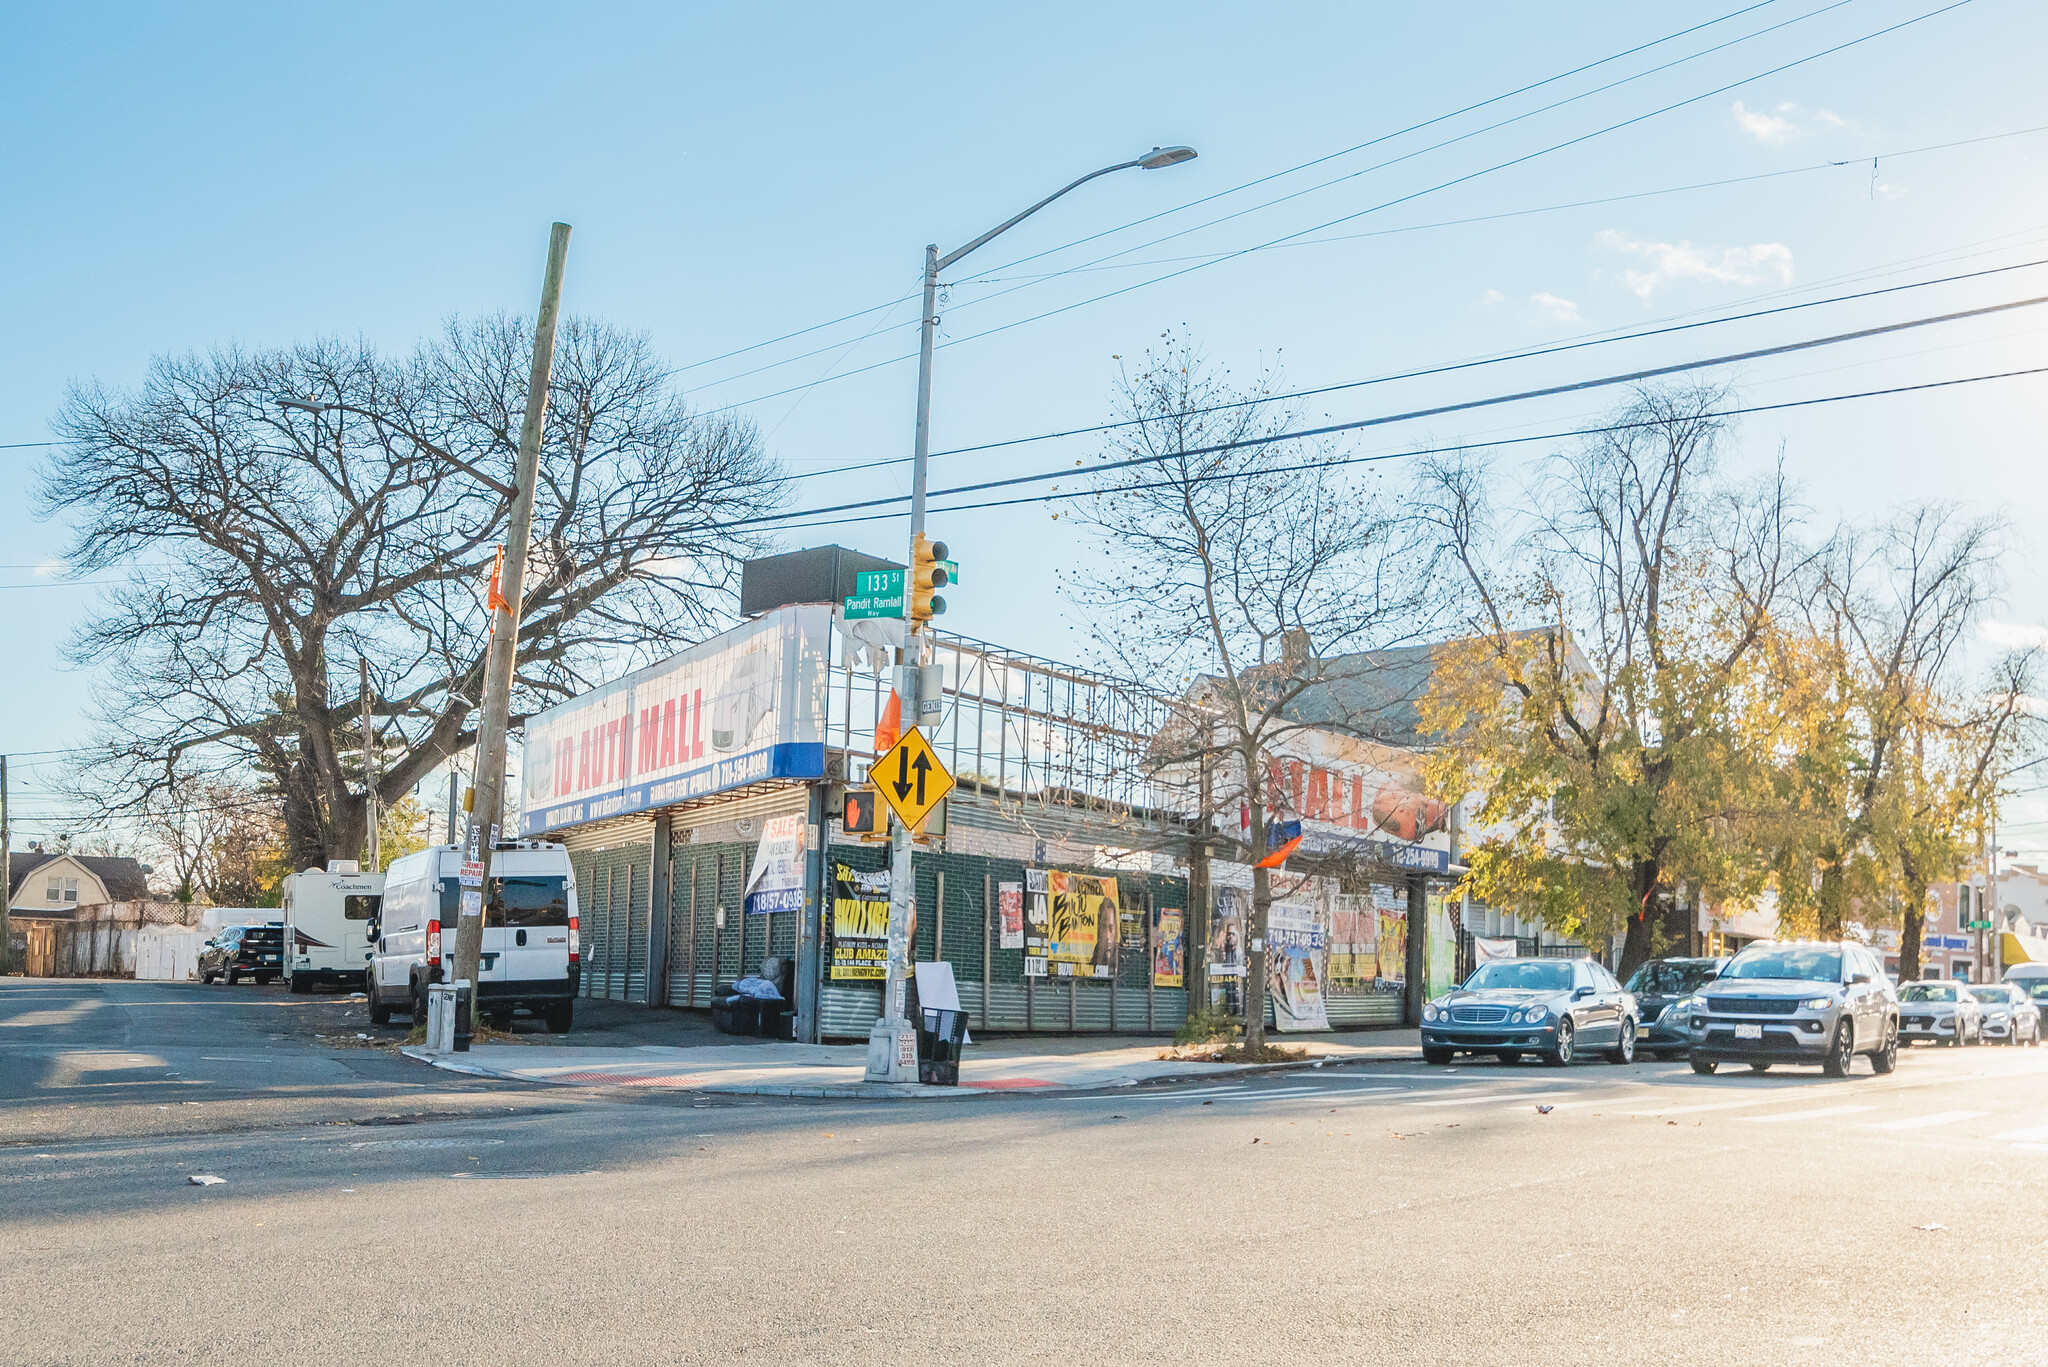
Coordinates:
(668, 734)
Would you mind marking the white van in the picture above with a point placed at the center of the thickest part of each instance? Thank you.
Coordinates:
(530, 958)
(327, 918)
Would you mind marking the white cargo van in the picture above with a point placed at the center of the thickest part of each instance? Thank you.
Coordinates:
(530, 960)
(327, 918)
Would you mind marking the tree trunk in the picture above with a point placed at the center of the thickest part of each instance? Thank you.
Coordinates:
(1831, 888)
(1909, 932)
(1637, 946)
(1255, 961)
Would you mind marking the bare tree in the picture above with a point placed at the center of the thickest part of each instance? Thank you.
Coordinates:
(1244, 577)
(1898, 748)
(1605, 703)
(219, 839)
(269, 548)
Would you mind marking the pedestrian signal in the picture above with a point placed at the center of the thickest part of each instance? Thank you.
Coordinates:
(861, 816)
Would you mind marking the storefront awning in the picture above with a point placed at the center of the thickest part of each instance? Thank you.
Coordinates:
(2013, 949)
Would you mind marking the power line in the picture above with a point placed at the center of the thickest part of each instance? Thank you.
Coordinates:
(1385, 204)
(1439, 410)
(1445, 369)
(1250, 184)
(1061, 497)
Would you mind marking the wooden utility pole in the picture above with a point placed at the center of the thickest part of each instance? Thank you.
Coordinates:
(369, 770)
(488, 806)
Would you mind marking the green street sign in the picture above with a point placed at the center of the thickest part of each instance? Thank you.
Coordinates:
(1980, 925)
(952, 568)
(876, 593)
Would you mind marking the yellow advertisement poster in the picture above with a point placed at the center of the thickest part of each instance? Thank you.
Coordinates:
(1168, 953)
(1082, 931)
(1392, 907)
(860, 923)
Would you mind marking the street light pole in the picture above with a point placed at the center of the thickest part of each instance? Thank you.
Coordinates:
(487, 805)
(892, 1041)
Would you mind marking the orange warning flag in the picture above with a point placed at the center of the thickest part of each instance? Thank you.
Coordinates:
(889, 729)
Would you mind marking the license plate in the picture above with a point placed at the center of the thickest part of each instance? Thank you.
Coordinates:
(270, 958)
(1749, 1032)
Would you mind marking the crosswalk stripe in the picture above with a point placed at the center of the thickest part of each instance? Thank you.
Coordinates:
(1498, 1098)
(1921, 1122)
(1808, 1115)
(2033, 1136)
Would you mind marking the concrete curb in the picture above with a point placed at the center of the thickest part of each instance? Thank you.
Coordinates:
(881, 1091)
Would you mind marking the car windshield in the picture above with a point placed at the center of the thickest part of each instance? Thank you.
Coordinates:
(1927, 992)
(1787, 961)
(1670, 979)
(1991, 994)
(2038, 989)
(1524, 975)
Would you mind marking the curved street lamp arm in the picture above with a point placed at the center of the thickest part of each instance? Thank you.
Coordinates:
(950, 257)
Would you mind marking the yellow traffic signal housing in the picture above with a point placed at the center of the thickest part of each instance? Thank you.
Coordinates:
(927, 577)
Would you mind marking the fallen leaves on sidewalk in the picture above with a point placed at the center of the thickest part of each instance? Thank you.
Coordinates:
(1215, 1051)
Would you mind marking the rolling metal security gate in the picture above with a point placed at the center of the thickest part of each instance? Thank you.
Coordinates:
(614, 876)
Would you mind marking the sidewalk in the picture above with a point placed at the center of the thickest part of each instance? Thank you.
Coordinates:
(773, 1068)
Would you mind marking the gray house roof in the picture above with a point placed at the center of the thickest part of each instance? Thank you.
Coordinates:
(124, 879)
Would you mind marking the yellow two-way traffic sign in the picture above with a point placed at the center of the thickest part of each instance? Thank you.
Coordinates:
(910, 778)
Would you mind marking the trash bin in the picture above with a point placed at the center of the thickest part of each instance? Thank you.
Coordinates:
(939, 1034)
(441, 1018)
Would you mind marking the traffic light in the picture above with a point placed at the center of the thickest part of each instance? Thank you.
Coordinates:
(927, 577)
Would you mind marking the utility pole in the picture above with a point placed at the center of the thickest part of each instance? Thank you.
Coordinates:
(892, 1044)
(369, 770)
(6, 872)
(488, 794)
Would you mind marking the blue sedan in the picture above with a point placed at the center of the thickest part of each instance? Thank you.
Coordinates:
(1553, 1008)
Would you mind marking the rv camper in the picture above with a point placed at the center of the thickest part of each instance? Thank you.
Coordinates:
(326, 919)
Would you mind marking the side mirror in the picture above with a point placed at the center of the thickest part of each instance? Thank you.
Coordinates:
(1855, 978)
(1582, 994)
(372, 930)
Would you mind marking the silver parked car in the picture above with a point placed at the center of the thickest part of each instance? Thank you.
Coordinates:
(1940, 1013)
(1796, 1002)
(1553, 1008)
(2010, 1016)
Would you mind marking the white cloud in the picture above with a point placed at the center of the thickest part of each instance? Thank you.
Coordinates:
(1787, 123)
(49, 569)
(1683, 261)
(1491, 297)
(1761, 126)
(1564, 310)
(2012, 635)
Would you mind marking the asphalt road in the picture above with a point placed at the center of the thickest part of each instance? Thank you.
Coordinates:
(374, 1209)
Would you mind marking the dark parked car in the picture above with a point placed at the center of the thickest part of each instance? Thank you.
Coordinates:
(1655, 986)
(1553, 1008)
(243, 951)
(1796, 1002)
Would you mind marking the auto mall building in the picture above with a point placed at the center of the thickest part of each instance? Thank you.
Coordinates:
(701, 800)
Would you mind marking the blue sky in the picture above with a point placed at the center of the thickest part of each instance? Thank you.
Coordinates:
(186, 177)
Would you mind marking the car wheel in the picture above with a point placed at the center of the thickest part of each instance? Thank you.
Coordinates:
(1841, 1053)
(560, 1018)
(1887, 1058)
(380, 1014)
(1704, 1066)
(1560, 1054)
(1432, 1054)
(1508, 1055)
(232, 976)
(1759, 1067)
(419, 1003)
(1624, 1052)
(296, 985)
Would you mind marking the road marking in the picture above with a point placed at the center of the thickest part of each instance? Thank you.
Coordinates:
(1494, 1100)
(2033, 1136)
(1768, 1100)
(1921, 1122)
(1808, 1115)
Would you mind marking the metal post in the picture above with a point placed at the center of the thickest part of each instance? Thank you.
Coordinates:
(501, 663)
(988, 912)
(6, 872)
(1416, 965)
(369, 769)
(454, 782)
(810, 959)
